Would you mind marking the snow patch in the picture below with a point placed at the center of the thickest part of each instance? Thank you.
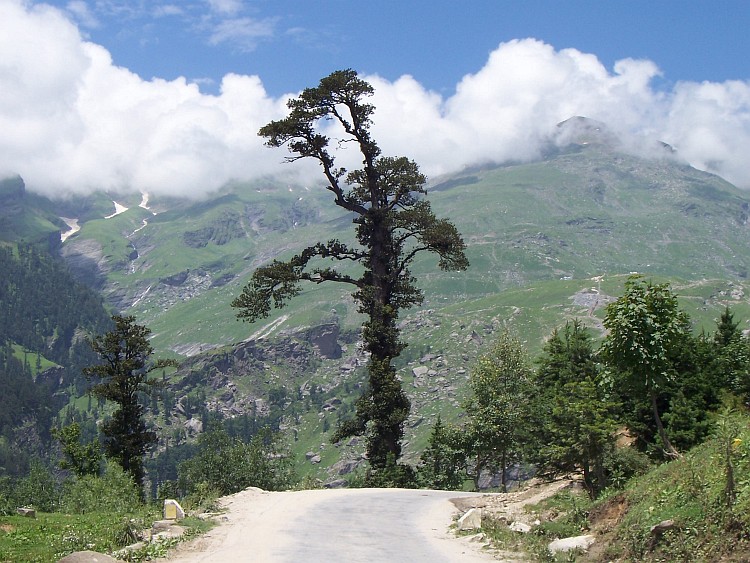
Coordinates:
(73, 228)
(118, 209)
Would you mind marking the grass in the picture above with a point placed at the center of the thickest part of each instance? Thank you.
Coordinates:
(30, 358)
(51, 536)
(691, 492)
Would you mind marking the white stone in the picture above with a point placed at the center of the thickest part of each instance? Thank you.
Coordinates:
(520, 527)
(569, 544)
(472, 520)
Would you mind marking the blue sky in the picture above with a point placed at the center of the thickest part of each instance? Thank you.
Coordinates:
(168, 96)
(290, 44)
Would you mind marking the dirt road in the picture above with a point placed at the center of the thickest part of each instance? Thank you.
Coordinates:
(341, 525)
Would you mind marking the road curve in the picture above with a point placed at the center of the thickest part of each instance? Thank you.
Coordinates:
(340, 525)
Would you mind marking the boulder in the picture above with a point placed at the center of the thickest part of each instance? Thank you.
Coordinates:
(522, 527)
(88, 557)
(336, 484)
(27, 512)
(193, 426)
(472, 520)
(165, 529)
(570, 544)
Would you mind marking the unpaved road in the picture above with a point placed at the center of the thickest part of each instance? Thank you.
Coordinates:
(340, 525)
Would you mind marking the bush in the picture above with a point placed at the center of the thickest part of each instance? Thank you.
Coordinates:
(114, 491)
(228, 465)
(621, 464)
(39, 489)
(203, 498)
(392, 475)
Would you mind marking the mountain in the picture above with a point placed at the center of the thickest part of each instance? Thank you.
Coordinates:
(583, 211)
(548, 241)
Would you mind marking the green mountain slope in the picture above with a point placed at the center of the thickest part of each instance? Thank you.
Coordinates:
(580, 213)
(548, 241)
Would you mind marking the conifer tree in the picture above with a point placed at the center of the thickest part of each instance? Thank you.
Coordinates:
(122, 378)
(577, 420)
(393, 224)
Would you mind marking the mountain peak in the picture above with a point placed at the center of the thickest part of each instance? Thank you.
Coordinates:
(579, 130)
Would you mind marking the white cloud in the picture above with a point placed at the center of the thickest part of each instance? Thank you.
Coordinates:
(168, 10)
(73, 121)
(225, 6)
(243, 33)
(82, 13)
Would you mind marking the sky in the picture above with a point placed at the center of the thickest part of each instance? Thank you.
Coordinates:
(167, 96)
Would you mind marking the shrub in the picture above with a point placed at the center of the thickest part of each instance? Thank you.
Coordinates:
(114, 491)
(621, 464)
(228, 465)
(39, 489)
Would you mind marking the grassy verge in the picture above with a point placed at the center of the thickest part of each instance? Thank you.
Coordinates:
(695, 508)
(51, 536)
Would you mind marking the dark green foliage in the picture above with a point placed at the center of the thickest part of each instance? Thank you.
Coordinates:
(727, 356)
(228, 465)
(393, 223)
(697, 372)
(645, 327)
(82, 459)
(392, 474)
(41, 305)
(501, 393)
(577, 421)
(443, 462)
(623, 463)
(42, 309)
(122, 378)
(113, 491)
(39, 489)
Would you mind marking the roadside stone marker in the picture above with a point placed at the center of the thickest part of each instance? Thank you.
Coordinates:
(173, 510)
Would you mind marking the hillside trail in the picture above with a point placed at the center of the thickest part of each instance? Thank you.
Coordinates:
(351, 525)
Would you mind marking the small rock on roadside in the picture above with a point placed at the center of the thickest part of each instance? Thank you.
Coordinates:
(520, 527)
(88, 557)
(569, 544)
(472, 520)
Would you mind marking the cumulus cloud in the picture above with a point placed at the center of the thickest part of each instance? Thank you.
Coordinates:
(73, 121)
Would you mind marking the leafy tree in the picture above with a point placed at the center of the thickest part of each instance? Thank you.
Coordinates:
(82, 459)
(113, 491)
(228, 465)
(122, 377)
(39, 488)
(645, 326)
(442, 464)
(579, 420)
(501, 391)
(393, 224)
